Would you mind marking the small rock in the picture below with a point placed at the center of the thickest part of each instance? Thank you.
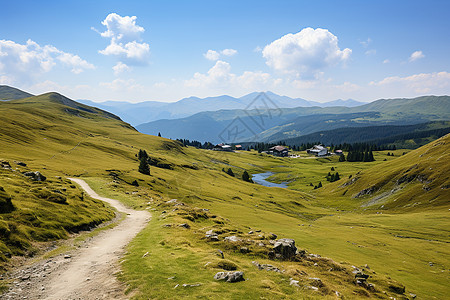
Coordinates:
(232, 239)
(294, 282)
(235, 276)
(250, 232)
(220, 253)
(272, 236)
(67, 256)
(145, 254)
(185, 225)
(20, 163)
(244, 250)
(176, 286)
(191, 285)
(171, 278)
(413, 295)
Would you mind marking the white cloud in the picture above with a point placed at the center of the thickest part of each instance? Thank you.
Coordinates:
(25, 63)
(257, 49)
(221, 77)
(215, 55)
(438, 82)
(120, 67)
(126, 43)
(371, 52)
(416, 55)
(386, 61)
(212, 55)
(228, 52)
(305, 53)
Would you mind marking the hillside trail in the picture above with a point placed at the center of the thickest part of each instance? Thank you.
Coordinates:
(85, 273)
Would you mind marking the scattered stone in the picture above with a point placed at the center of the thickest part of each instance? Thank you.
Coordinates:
(250, 232)
(176, 286)
(266, 267)
(166, 225)
(272, 236)
(294, 282)
(285, 249)
(19, 163)
(212, 236)
(146, 253)
(235, 276)
(220, 253)
(413, 295)
(313, 288)
(191, 284)
(172, 201)
(337, 294)
(67, 256)
(35, 176)
(185, 225)
(233, 239)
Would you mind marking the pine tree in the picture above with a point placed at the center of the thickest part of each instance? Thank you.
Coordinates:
(371, 158)
(332, 178)
(144, 167)
(332, 168)
(230, 172)
(336, 176)
(341, 158)
(159, 134)
(320, 184)
(246, 177)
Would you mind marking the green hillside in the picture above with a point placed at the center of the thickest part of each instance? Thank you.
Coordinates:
(59, 137)
(11, 93)
(403, 136)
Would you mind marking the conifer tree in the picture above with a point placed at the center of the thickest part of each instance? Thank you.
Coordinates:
(144, 167)
(246, 177)
(341, 158)
(230, 172)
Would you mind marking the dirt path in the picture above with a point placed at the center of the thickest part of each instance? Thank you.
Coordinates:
(85, 273)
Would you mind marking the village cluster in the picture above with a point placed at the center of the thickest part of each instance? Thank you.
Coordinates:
(280, 151)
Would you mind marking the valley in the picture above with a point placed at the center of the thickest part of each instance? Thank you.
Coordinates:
(381, 230)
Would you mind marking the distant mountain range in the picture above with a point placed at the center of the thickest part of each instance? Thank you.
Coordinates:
(143, 112)
(274, 124)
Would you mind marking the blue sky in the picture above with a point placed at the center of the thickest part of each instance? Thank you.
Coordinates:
(166, 50)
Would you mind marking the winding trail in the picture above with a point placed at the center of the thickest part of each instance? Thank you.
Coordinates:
(89, 272)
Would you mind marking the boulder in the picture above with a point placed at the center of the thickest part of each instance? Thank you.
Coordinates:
(22, 164)
(211, 235)
(185, 225)
(285, 249)
(235, 276)
(272, 236)
(6, 205)
(36, 176)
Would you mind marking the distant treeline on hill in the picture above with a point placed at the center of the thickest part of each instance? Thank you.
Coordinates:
(380, 135)
(196, 144)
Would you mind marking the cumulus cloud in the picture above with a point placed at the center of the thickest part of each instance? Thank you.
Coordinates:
(386, 61)
(215, 55)
(220, 76)
(416, 55)
(212, 55)
(438, 82)
(305, 53)
(26, 62)
(126, 42)
(370, 52)
(120, 67)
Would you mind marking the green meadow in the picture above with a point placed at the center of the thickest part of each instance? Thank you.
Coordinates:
(397, 231)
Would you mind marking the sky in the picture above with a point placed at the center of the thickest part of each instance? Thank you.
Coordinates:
(167, 50)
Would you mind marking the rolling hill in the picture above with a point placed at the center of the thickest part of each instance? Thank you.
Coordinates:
(11, 93)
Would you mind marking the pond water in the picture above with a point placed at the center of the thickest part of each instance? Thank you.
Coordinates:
(261, 179)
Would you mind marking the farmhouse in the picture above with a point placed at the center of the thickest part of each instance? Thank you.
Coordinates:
(318, 150)
(238, 147)
(222, 147)
(278, 151)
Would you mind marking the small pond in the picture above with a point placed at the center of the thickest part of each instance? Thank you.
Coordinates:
(261, 179)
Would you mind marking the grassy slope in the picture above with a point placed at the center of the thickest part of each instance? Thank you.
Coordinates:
(10, 93)
(45, 134)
